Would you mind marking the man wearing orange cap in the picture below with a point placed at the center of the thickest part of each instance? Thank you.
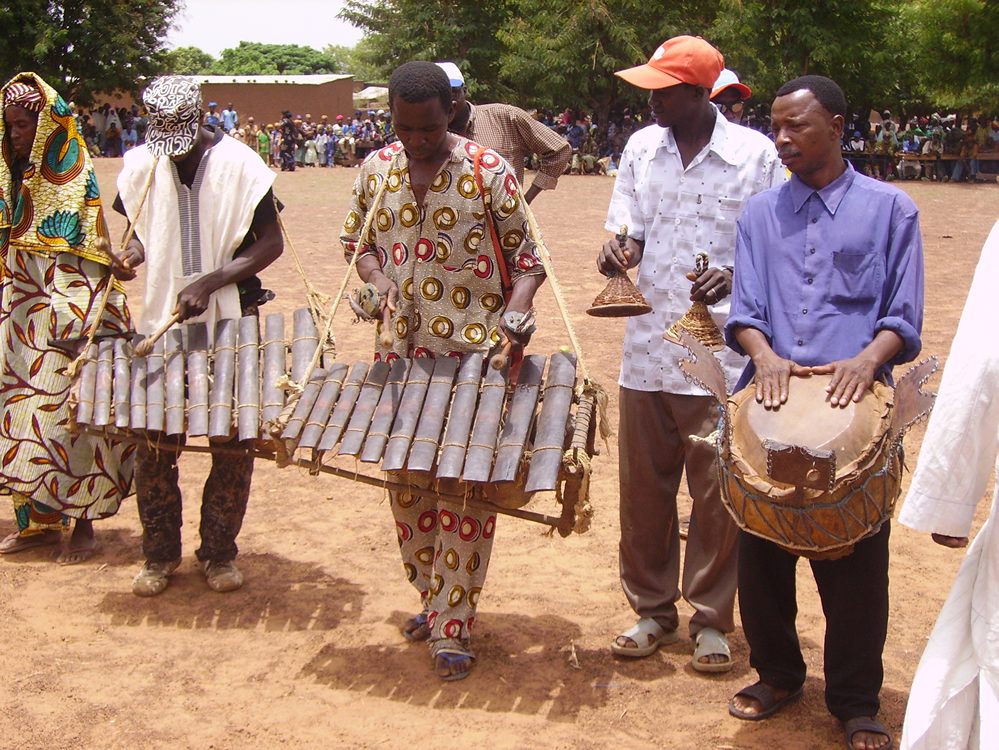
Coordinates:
(681, 186)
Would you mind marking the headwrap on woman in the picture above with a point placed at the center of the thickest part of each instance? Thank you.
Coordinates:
(24, 95)
(59, 205)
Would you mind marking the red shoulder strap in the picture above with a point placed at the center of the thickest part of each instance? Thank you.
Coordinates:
(487, 200)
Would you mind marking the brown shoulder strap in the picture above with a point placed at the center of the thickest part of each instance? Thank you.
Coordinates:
(487, 200)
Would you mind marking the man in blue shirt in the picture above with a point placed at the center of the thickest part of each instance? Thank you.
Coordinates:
(828, 279)
(230, 119)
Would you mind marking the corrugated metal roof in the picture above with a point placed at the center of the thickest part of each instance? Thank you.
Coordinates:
(310, 80)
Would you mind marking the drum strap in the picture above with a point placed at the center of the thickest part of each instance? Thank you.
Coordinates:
(487, 202)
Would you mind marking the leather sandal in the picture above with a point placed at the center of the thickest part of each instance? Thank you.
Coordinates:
(769, 705)
(865, 724)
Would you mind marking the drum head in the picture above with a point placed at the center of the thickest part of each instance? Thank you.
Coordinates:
(808, 420)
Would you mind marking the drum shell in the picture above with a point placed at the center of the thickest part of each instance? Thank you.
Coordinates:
(813, 523)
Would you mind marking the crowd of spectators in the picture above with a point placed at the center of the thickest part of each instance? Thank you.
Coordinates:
(934, 147)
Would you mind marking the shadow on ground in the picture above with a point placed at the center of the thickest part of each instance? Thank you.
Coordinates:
(279, 595)
(525, 665)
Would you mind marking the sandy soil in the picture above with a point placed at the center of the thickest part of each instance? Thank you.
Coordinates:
(309, 652)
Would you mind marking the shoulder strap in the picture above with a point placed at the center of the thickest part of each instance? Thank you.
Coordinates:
(487, 200)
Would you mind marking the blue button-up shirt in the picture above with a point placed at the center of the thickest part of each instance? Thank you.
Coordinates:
(821, 272)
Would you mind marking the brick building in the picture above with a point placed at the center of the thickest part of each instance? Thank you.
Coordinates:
(264, 97)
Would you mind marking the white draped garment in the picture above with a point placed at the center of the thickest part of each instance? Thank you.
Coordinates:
(189, 232)
(953, 702)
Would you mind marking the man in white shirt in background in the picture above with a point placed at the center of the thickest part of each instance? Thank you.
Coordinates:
(681, 187)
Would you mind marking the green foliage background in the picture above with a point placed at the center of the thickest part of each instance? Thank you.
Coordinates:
(906, 55)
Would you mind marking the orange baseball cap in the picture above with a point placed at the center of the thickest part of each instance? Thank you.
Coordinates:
(682, 59)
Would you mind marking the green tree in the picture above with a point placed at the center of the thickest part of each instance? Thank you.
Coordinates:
(861, 44)
(358, 61)
(462, 31)
(957, 46)
(254, 58)
(187, 61)
(85, 47)
(564, 53)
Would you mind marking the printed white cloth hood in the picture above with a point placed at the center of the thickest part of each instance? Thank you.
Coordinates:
(190, 232)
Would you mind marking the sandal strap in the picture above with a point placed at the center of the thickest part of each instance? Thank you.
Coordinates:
(865, 724)
(644, 627)
(758, 691)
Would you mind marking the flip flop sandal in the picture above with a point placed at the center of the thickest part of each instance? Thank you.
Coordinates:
(421, 621)
(15, 542)
(86, 554)
(865, 724)
(710, 641)
(639, 634)
(452, 657)
(768, 704)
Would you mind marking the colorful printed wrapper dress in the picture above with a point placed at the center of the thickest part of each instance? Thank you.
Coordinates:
(53, 277)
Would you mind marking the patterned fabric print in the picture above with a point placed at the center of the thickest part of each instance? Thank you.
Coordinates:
(441, 255)
(44, 300)
(34, 518)
(223, 502)
(445, 551)
(59, 206)
(681, 211)
(174, 106)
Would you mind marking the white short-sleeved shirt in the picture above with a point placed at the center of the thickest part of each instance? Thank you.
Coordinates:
(679, 213)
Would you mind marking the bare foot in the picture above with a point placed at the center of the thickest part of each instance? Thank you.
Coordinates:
(750, 706)
(416, 628)
(15, 542)
(870, 740)
(82, 544)
(714, 659)
(866, 733)
(450, 666)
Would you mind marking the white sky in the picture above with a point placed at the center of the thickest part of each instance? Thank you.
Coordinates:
(215, 25)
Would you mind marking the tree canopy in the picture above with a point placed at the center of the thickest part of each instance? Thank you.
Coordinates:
(187, 61)
(895, 53)
(254, 58)
(462, 31)
(84, 48)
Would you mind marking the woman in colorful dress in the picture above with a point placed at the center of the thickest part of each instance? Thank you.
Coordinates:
(54, 273)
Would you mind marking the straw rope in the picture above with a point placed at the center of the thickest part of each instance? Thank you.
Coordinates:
(315, 299)
(298, 387)
(74, 366)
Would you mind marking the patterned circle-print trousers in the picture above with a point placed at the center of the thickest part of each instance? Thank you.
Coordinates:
(445, 552)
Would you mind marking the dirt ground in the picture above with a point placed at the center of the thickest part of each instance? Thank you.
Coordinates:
(308, 653)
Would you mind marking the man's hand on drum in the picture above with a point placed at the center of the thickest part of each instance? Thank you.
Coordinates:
(772, 371)
(772, 376)
(613, 258)
(711, 287)
(850, 378)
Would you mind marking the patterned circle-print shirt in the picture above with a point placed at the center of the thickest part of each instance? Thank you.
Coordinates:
(441, 254)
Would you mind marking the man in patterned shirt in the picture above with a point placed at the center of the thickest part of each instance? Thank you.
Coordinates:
(510, 132)
(681, 186)
(431, 257)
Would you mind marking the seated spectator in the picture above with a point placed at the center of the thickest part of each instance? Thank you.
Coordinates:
(938, 171)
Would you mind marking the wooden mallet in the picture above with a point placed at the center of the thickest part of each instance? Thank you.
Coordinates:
(145, 347)
(386, 337)
(498, 361)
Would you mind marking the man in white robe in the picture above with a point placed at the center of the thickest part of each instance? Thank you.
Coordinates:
(953, 702)
(207, 224)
